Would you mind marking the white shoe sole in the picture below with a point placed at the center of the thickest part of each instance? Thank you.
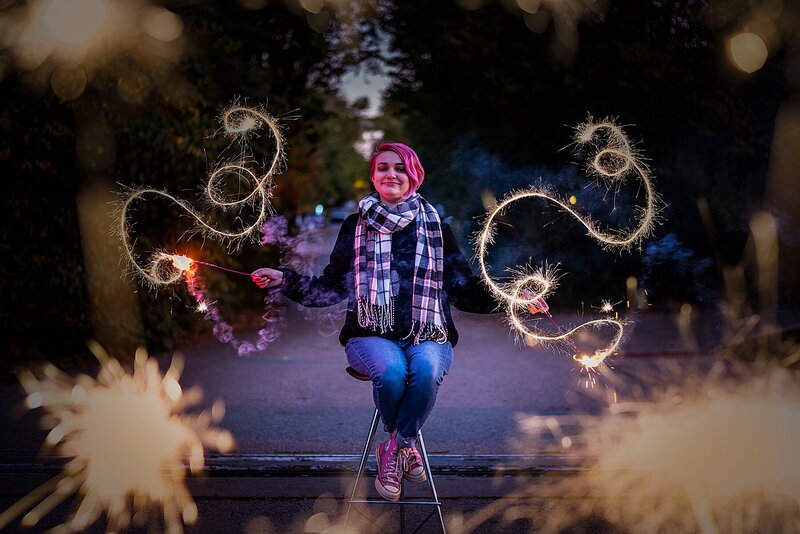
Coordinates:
(418, 479)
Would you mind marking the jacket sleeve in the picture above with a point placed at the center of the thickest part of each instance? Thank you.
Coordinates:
(331, 287)
(466, 291)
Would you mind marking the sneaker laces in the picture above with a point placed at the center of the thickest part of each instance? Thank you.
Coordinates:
(392, 472)
(410, 455)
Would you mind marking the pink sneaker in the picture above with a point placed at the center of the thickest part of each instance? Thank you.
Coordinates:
(389, 470)
(413, 468)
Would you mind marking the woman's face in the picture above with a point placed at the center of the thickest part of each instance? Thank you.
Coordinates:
(390, 178)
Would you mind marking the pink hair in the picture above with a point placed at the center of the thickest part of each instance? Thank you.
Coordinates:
(414, 170)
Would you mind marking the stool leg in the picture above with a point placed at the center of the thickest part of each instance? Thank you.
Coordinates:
(364, 456)
(427, 465)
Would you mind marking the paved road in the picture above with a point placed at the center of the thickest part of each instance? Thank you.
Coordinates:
(295, 399)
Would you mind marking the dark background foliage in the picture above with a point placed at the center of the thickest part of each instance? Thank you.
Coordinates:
(487, 103)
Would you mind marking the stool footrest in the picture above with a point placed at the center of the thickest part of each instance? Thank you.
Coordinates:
(384, 501)
(401, 501)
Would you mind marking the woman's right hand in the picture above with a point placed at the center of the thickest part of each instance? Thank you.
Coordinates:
(266, 277)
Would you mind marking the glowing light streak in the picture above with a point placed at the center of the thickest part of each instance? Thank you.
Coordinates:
(272, 319)
(127, 435)
(240, 123)
(612, 161)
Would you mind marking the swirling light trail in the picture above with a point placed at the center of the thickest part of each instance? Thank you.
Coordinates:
(612, 161)
(272, 318)
(127, 435)
(240, 123)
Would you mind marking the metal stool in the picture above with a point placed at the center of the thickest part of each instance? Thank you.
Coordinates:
(402, 502)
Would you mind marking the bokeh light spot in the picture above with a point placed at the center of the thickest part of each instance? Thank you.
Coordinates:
(68, 84)
(75, 22)
(162, 24)
(748, 52)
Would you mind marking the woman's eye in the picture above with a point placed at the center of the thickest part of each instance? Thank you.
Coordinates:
(400, 168)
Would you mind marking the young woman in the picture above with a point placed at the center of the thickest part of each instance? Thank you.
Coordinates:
(400, 267)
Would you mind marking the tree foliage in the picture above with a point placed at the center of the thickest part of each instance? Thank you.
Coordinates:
(483, 77)
(162, 138)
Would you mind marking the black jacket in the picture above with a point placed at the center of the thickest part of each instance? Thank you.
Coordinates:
(461, 288)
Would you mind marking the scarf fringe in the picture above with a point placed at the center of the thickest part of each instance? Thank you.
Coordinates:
(428, 331)
(376, 317)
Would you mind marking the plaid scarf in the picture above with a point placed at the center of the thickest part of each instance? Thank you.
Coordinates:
(376, 281)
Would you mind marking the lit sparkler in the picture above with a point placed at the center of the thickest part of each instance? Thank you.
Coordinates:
(184, 263)
(714, 455)
(126, 434)
(240, 123)
(612, 161)
(195, 284)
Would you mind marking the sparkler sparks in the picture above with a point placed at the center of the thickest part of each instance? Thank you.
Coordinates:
(612, 159)
(127, 434)
(240, 123)
(714, 455)
(272, 320)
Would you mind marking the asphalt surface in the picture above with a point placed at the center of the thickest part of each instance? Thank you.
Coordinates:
(299, 422)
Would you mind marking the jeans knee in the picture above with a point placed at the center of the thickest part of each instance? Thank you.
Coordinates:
(393, 378)
(426, 376)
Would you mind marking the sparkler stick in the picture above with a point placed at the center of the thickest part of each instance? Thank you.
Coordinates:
(558, 328)
(221, 268)
(611, 161)
(272, 318)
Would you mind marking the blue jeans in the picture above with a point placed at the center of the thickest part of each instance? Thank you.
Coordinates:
(405, 379)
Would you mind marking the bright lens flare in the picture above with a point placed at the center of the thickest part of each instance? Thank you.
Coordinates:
(127, 435)
(611, 160)
(685, 451)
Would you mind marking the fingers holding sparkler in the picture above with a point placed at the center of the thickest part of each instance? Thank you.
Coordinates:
(535, 304)
(266, 277)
